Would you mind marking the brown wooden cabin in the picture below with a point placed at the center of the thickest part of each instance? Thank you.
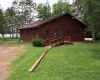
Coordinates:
(62, 25)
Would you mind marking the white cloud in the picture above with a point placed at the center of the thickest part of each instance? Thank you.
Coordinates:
(50, 1)
(7, 3)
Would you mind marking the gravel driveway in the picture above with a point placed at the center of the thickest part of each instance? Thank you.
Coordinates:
(8, 54)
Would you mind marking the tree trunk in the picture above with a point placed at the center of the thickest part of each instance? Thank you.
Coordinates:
(10, 34)
(16, 33)
(93, 36)
(3, 36)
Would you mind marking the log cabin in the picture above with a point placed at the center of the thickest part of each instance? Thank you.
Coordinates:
(62, 25)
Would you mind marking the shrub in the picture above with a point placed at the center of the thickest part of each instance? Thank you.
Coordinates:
(38, 42)
(97, 36)
(88, 34)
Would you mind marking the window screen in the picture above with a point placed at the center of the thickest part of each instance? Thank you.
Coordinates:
(68, 32)
(47, 32)
(79, 33)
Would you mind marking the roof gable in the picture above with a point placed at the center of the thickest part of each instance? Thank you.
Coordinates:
(41, 22)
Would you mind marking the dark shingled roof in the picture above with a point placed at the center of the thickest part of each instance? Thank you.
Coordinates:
(41, 22)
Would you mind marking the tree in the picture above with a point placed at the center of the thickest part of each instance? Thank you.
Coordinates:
(25, 9)
(43, 11)
(10, 17)
(2, 23)
(19, 14)
(61, 7)
(78, 9)
(90, 14)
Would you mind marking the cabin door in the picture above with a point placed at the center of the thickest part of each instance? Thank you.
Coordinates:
(60, 32)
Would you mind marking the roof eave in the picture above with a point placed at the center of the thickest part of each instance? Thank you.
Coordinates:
(28, 27)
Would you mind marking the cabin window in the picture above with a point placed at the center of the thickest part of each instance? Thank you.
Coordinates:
(60, 32)
(47, 32)
(79, 33)
(68, 32)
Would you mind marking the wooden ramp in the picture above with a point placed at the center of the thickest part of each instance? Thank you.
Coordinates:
(58, 41)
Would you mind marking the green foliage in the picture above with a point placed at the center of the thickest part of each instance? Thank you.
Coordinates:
(88, 33)
(38, 42)
(25, 9)
(89, 12)
(44, 11)
(61, 7)
(11, 21)
(98, 36)
(19, 14)
(2, 23)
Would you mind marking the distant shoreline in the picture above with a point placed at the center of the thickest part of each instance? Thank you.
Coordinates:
(8, 35)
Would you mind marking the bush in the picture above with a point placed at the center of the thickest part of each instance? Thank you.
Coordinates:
(38, 42)
(98, 36)
(88, 34)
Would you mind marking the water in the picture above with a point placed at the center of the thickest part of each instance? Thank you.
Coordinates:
(8, 35)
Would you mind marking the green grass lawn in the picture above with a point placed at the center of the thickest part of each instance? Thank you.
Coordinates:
(80, 61)
(9, 41)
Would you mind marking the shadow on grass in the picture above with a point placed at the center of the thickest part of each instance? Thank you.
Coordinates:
(96, 53)
(87, 42)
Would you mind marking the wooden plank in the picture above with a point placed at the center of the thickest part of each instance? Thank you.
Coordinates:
(38, 61)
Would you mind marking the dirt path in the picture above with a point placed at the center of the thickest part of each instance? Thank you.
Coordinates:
(48, 46)
(7, 54)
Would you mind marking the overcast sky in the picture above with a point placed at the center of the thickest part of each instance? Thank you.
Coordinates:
(7, 3)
